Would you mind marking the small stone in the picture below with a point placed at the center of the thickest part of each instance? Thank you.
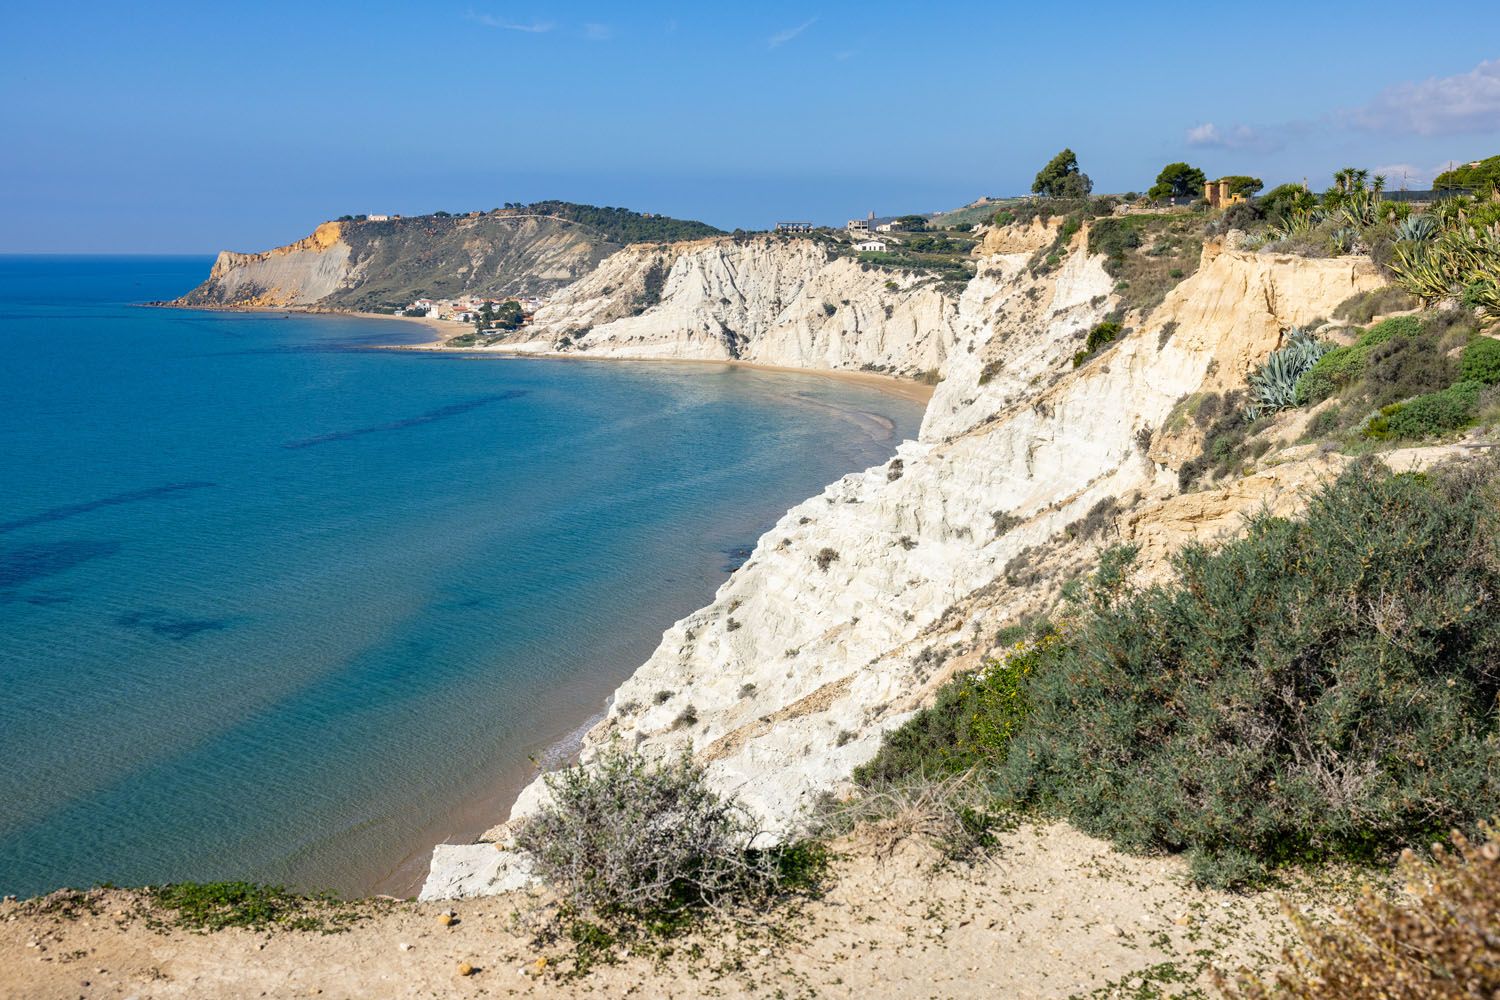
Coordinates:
(465, 969)
(1185, 920)
(404, 946)
(539, 965)
(1110, 930)
(447, 919)
(764, 952)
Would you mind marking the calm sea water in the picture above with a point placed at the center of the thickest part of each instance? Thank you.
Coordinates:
(276, 605)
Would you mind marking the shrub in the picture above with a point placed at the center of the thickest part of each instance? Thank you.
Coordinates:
(1325, 685)
(1426, 415)
(1400, 367)
(970, 724)
(825, 558)
(1396, 326)
(1099, 517)
(1481, 361)
(1102, 333)
(1334, 370)
(623, 836)
(1004, 521)
(1440, 942)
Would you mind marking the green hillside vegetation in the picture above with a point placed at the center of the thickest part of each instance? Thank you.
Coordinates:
(1406, 379)
(622, 226)
(1481, 177)
(971, 215)
(943, 256)
(1448, 250)
(1323, 687)
(446, 256)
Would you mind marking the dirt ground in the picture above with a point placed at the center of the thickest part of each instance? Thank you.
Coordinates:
(1051, 913)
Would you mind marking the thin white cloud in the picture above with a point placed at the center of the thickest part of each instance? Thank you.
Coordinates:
(596, 32)
(1440, 105)
(530, 28)
(1211, 136)
(786, 35)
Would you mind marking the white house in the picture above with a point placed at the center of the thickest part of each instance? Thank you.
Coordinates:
(378, 218)
(876, 246)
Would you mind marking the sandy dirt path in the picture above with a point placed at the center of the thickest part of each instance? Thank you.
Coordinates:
(1052, 913)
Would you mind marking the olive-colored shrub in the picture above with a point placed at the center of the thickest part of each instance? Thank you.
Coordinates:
(1423, 416)
(1322, 686)
(1481, 361)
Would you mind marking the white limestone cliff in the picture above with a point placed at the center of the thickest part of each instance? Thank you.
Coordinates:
(861, 601)
(764, 299)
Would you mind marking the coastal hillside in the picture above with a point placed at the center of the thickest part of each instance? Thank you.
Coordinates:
(380, 264)
(1036, 447)
(771, 300)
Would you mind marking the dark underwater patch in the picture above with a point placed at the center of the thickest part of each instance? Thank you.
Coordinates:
(431, 416)
(74, 509)
(25, 563)
(171, 626)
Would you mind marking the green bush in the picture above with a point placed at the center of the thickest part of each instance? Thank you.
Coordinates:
(970, 724)
(1424, 416)
(1322, 686)
(1481, 361)
(1334, 370)
(1396, 326)
(1102, 333)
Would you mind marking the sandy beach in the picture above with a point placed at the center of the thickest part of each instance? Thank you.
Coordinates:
(916, 392)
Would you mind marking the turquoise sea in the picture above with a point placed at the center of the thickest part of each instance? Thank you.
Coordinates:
(276, 604)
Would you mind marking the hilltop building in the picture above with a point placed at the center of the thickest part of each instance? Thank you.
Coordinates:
(1216, 193)
(794, 227)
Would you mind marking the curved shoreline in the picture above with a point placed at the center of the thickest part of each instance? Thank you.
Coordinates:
(907, 389)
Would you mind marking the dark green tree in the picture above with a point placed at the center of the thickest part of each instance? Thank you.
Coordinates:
(1178, 180)
(1061, 178)
(1242, 184)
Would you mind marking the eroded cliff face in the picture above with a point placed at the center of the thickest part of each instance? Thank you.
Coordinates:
(860, 602)
(374, 265)
(766, 300)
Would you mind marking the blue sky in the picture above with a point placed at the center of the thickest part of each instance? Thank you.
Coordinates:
(177, 127)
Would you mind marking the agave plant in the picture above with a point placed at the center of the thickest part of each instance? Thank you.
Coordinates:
(1360, 208)
(1297, 222)
(1273, 386)
(1344, 238)
(1423, 269)
(1417, 229)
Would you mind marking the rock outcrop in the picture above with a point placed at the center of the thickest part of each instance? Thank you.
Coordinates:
(768, 300)
(363, 265)
(862, 600)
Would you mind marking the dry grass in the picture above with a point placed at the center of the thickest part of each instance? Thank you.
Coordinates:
(954, 813)
(1440, 942)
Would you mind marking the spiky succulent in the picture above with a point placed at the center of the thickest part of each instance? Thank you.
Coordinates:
(1273, 386)
(1344, 238)
(1417, 229)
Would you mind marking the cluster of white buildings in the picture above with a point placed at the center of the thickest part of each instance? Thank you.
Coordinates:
(467, 308)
